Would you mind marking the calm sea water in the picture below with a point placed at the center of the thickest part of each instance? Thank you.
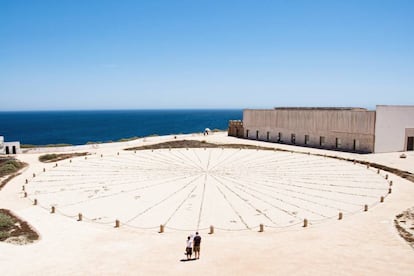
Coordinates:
(80, 127)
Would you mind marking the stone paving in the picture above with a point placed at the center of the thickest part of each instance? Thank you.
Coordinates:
(191, 189)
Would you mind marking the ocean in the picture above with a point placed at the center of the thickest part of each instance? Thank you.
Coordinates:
(81, 127)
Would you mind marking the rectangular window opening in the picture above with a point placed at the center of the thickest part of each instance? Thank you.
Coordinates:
(306, 139)
(338, 143)
(293, 138)
(322, 141)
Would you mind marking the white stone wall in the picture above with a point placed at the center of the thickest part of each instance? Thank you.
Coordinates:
(390, 127)
(1, 145)
(10, 145)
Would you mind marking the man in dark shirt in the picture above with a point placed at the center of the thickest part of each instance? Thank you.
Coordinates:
(196, 245)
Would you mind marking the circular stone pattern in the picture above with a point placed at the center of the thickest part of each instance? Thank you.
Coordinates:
(190, 189)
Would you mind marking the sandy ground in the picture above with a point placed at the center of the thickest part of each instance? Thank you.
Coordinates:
(362, 243)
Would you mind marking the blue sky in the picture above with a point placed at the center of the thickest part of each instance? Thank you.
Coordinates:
(59, 55)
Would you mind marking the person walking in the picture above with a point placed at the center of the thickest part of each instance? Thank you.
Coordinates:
(197, 242)
(189, 248)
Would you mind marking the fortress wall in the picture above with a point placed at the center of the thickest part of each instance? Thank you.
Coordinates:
(354, 128)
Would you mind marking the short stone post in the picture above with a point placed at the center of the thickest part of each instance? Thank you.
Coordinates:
(80, 217)
(101, 155)
(44, 169)
(27, 181)
(261, 228)
(117, 153)
(86, 157)
(305, 223)
(386, 176)
(390, 183)
(378, 171)
(389, 190)
(23, 189)
(161, 228)
(52, 210)
(382, 199)
(211, 229)
(367, 166)
(340, 215)
(365, 208)
(56, 164)
(35, 201)
(117, 223)
(25, 194)
(34, 175)
(70, 161)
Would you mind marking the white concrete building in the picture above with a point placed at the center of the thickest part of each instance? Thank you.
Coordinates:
(9, 147)
(394, 128)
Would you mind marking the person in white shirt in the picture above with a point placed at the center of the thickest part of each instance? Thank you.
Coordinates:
(189, 247)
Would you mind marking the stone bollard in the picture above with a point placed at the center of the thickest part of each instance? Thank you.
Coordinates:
(382, 199)
(340, 215)
(86, 157)
(261, 229)
(35, 201)
(305, 223)
(44, 169)
(378, 171)
(23, 189)
(25, 194)
(161, 228)
(117, 223)
(367, 166)
(27, 181)
(354, 162)
(34, 175)
(211, 229)
(80, 217)
(70, 161)
(135, 151)
(390, 183)
(365, 208)
(117, 153)
(389, 190)
(101, 155)
(386, 176)
(56, 164)
(52, 210)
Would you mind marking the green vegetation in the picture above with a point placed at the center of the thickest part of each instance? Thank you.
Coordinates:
(53, 157)
(10, 166)
(6, 222)
(28, 146)
(12, 226)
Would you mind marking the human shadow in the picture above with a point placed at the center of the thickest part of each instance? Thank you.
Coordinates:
(188, 260)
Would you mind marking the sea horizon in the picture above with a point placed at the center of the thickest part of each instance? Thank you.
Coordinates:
(79, 127)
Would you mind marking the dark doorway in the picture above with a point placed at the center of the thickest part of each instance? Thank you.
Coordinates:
(356, 145)
(257, 135)
(247, 133)
(410, 143)
(268, 136)
(7, 150)
(237, 132)
(14, 150)
(293, 138)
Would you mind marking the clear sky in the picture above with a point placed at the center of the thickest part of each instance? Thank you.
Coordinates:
(205, 54)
